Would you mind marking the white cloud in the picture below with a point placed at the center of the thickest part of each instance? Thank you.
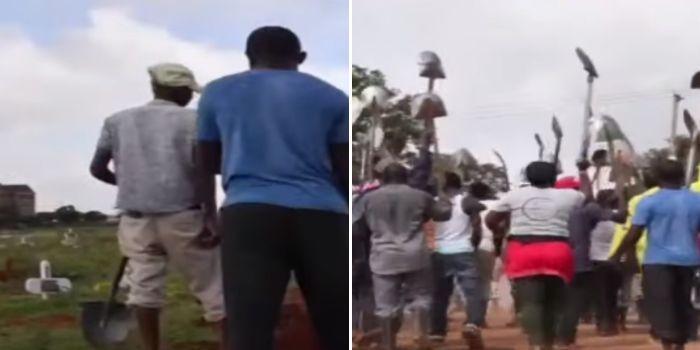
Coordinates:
(510, 65)
(55, 98)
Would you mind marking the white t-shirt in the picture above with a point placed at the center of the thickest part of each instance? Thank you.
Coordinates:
(486, 234)
(601, 239)
(454, 235)
(600, 179)
(540, 211)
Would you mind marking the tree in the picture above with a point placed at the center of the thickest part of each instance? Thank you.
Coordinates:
(470, 170)
(67, 214)
(401, 129)
(653, 155)
(45, 218)
(94, 216)
(398, 125)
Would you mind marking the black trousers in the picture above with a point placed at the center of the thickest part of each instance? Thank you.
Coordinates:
(363, 318)
(262, 245)
(578, 299)
(607, 283)
(541, 302)
(667, 301)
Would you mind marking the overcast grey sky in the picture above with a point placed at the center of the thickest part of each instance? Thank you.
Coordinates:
(66, 66)
(510, 65)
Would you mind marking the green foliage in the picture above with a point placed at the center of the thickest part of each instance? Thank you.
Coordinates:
(490, 174)
(94, 216)
(396, 122)
(67, 214)
(401, 129)
(364, 77)
(682, 145)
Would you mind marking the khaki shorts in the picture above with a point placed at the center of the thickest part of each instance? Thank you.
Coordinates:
(152, 241)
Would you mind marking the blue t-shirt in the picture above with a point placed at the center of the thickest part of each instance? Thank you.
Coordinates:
(276, 128)
(672, 218)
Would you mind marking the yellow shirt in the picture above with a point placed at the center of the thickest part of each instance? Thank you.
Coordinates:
(621, 230)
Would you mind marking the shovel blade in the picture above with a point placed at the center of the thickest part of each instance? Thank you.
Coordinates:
(115, 330)
(556, 128)
(695, 82)
(587, 63)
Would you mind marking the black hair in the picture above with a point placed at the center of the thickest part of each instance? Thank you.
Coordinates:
(541, 174)
(605, 196)
(480, 190)
(452, 181)
(670, 172)
(272, 44)
(395, 141)
(649, 178)
(181, 95)
(395, 173)
(600, 154)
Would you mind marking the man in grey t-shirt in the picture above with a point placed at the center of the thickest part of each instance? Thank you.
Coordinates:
(399, 257)
(163, 219)
(582, 289)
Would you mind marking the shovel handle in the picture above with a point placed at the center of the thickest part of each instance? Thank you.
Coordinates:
(113, 291)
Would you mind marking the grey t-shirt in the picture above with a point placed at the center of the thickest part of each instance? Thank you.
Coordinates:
(395, 215)
(540, 211)
(153, 151)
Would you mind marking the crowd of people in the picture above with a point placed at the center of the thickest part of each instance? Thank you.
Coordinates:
(574, 249)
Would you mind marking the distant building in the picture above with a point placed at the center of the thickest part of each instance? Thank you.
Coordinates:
(17, 200)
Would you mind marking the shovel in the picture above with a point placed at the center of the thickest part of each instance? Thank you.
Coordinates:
(693, 131)
(558, 135)
(505, 168)
(107, 324)
(540, 145)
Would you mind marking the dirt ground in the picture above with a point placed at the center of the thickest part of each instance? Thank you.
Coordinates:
(52, 322)
(500, 337)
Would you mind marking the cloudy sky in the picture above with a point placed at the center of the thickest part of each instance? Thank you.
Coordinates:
(510, 65)
(67, 65)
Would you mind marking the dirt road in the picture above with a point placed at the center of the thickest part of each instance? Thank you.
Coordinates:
(500, 337)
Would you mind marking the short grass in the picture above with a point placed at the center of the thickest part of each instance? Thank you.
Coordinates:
(29, 323)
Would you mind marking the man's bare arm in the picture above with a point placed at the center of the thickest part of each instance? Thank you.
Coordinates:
(628, 242)
(475, 220)
(99, 167)
(498, 223)
(208, 162)
(340, 161)
(585, 185)
(619, 216)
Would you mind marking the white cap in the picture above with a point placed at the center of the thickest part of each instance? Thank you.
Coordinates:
(173, 75)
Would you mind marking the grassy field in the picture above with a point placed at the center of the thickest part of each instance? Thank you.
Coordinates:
(29, 323)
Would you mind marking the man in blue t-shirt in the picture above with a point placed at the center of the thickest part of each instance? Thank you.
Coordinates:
(279, 139)
(672, 218)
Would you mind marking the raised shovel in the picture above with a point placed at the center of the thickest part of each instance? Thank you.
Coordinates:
(540, 146)
(107, 324)
(693, 131)
(505, 168)
(558, 135)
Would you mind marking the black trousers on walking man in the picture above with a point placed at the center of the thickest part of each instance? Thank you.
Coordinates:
(262, 245)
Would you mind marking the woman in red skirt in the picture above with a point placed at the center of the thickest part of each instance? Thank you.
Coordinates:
(538, 257)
